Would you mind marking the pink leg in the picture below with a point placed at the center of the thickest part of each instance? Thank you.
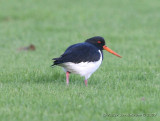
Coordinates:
(67, 77)
(86, 82)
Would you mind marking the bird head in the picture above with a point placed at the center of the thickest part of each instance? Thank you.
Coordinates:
(99, 42)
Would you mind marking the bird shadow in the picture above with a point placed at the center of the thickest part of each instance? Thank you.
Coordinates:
(60, 78)
(54, 77)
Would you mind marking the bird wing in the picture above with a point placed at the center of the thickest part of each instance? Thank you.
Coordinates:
(81, 52)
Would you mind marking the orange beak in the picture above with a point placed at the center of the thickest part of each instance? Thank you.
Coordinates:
(111, 51)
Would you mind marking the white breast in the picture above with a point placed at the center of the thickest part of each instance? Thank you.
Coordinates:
(84, 68)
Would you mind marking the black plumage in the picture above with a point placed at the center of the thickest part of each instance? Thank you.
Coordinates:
(81, 52)
(87, 51)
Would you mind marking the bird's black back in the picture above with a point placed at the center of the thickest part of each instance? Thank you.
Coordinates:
(81, 52)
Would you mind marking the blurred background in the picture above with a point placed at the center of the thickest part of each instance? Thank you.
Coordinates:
(130, 27)
(53, 25)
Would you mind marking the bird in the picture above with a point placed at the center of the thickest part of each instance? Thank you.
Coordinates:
(83, 58)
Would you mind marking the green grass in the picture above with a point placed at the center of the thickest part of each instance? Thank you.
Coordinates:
(31, 90)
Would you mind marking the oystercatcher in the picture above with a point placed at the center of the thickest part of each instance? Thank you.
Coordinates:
(83, 58)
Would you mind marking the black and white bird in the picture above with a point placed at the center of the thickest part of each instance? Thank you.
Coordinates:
(83, 58)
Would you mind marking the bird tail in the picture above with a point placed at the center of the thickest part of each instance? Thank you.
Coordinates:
(56, 62)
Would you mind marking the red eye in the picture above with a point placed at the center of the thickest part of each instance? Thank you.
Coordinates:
(98, 41)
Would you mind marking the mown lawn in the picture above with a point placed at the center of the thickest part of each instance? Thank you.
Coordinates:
(30, 90)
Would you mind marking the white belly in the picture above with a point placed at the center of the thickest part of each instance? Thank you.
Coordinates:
(84, 68)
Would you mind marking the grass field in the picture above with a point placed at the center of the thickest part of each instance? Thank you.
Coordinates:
(30, 90)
